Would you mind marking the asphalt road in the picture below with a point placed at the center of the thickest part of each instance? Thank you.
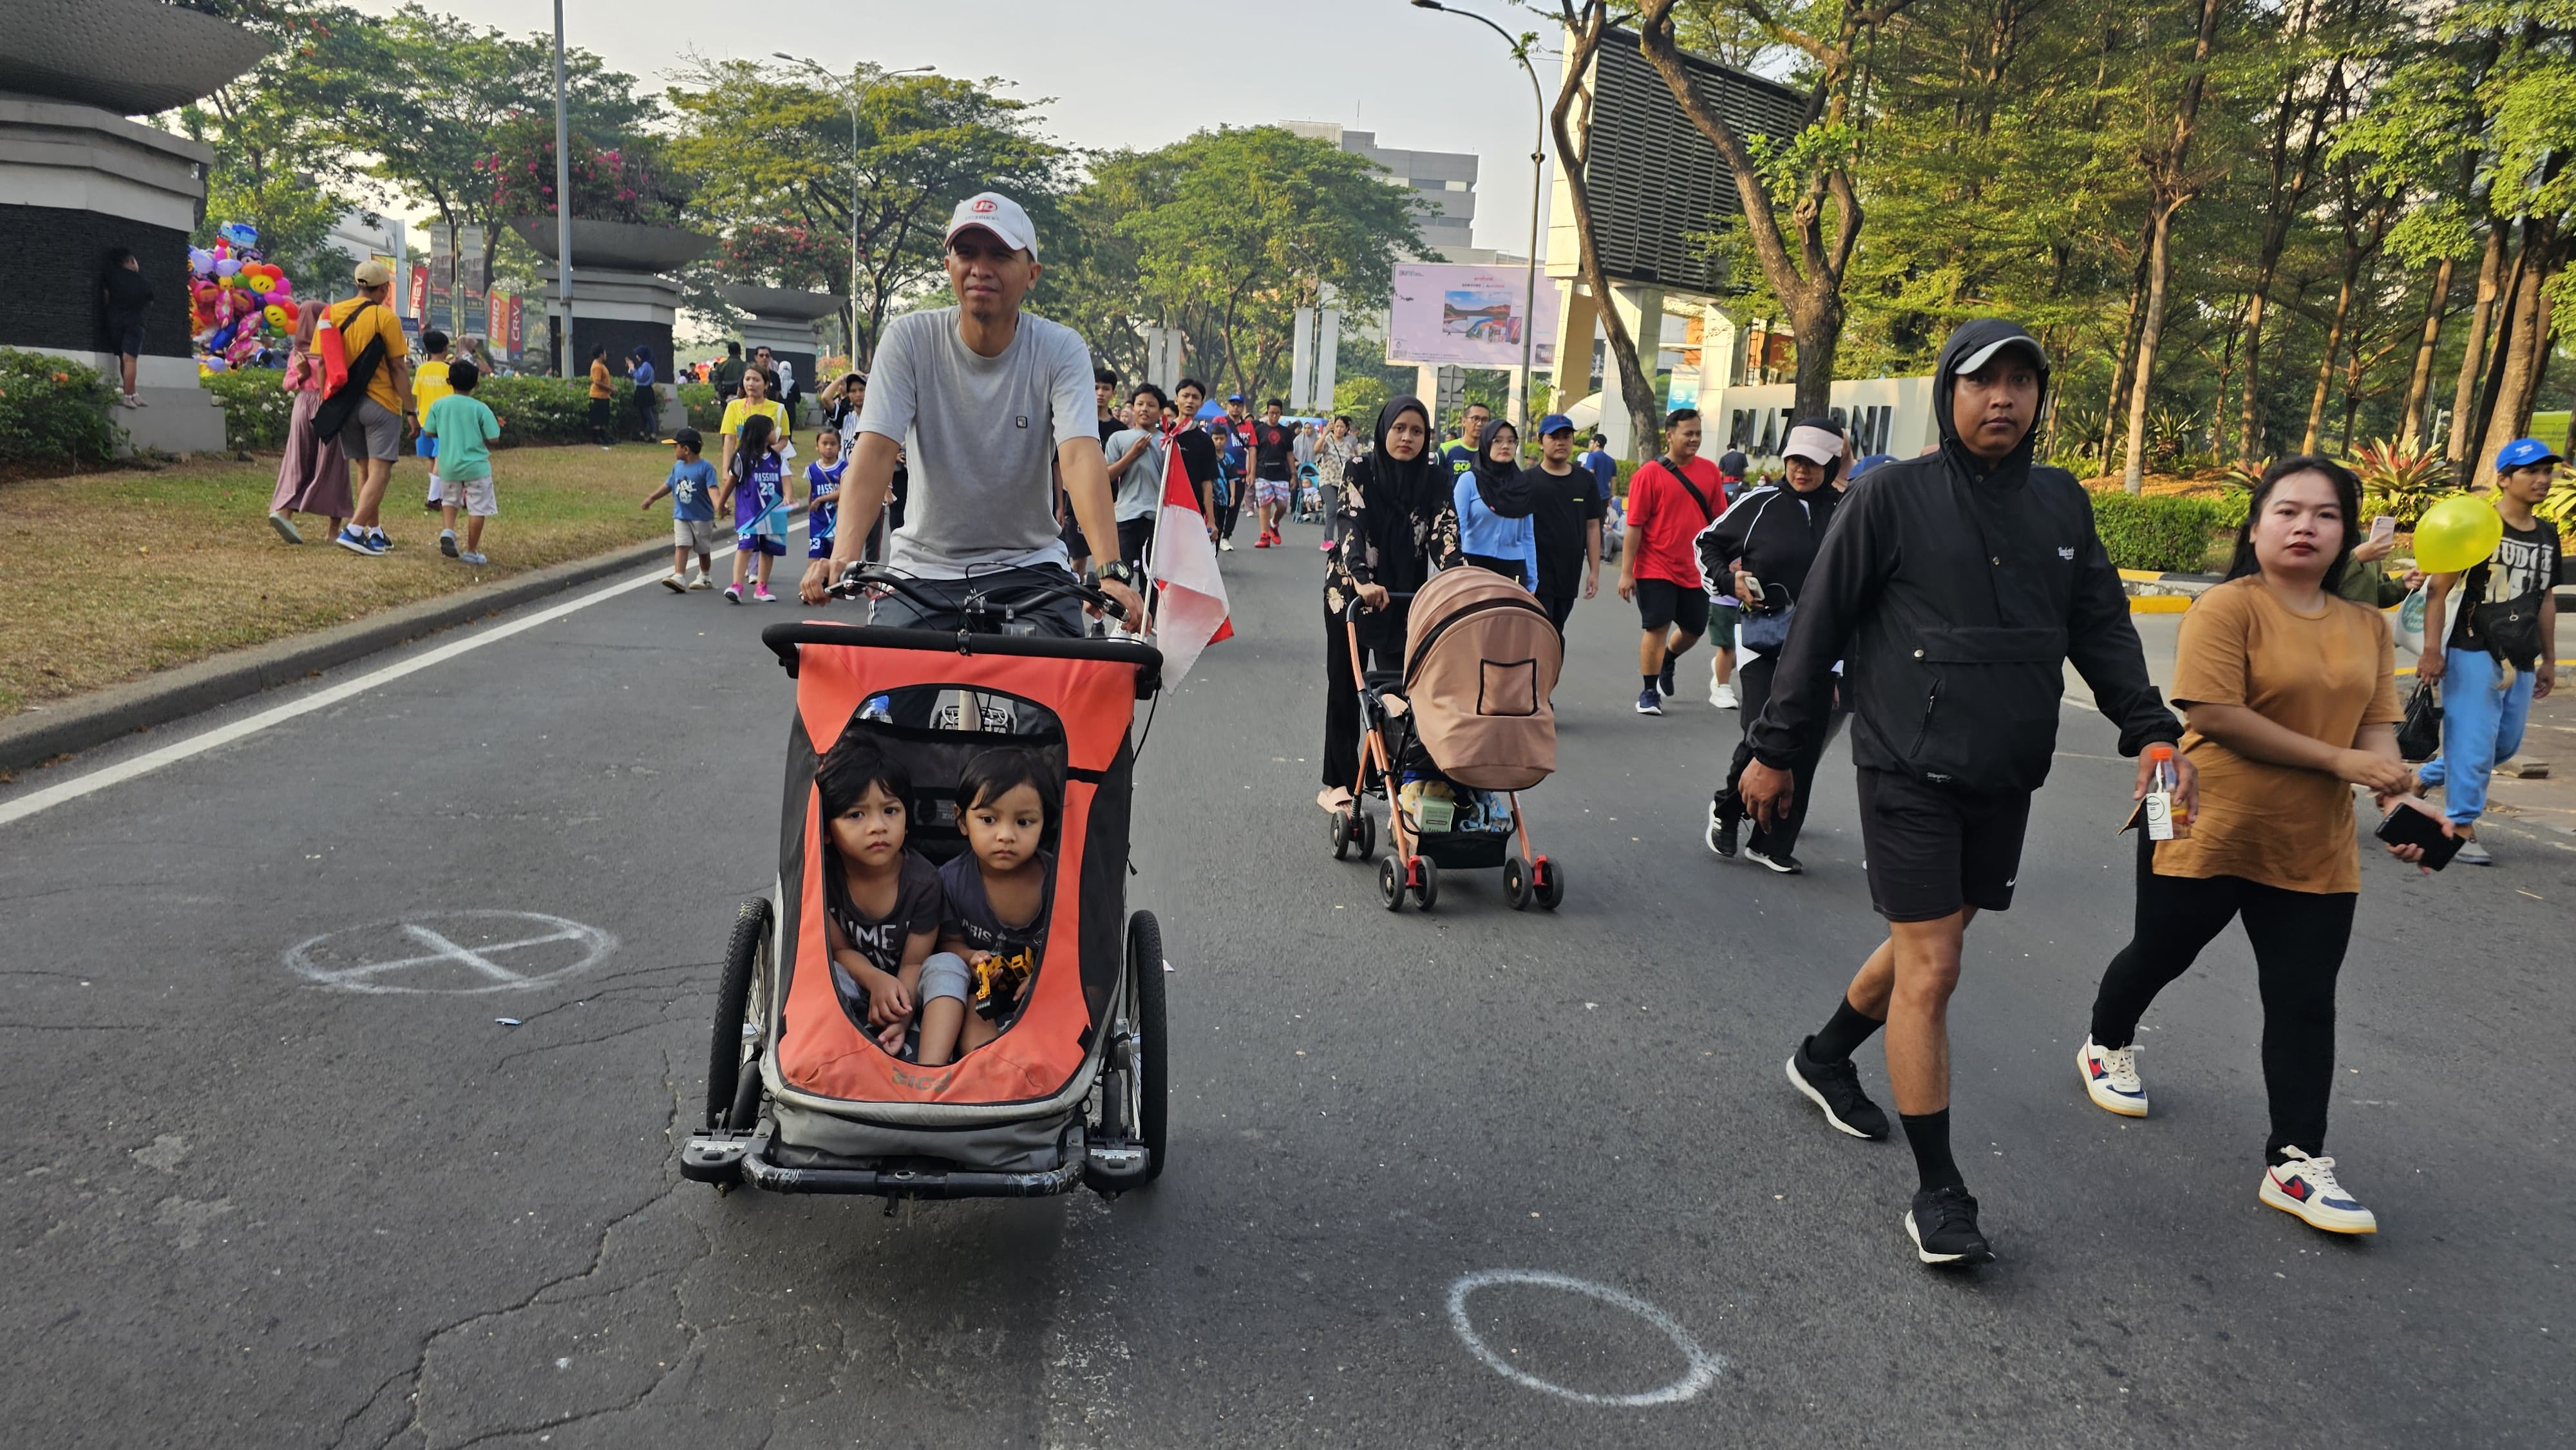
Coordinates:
(249, 1205)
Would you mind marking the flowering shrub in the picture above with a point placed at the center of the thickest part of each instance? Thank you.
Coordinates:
(623, 184)
(794, 256)
(256, 410)
(54, 410)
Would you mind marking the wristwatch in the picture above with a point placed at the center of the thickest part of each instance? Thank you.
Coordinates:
(1118, 569)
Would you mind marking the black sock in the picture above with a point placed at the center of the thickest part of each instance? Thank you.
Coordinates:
(1929, 1135)
(1650, 682)
(1672, 657)
(1843, 1035)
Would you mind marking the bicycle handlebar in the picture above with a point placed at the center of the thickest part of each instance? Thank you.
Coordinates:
(1025, 585)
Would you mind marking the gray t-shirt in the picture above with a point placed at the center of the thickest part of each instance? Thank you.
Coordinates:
(1140, 489)
(979, 434)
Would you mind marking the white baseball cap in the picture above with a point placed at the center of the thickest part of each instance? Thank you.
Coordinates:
(997, 214)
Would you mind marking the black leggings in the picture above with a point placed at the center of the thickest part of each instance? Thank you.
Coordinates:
(2299, 939)
(1382, 638)
(1752, 692)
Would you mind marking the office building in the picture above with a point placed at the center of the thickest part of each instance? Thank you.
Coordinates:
(1443, 184)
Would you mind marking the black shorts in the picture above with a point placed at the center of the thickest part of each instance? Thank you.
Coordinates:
(1133, 537)
(1663, 604)
(1932, 850)
(1559, 608)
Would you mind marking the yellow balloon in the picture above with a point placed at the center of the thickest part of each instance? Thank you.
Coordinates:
(2457, 533)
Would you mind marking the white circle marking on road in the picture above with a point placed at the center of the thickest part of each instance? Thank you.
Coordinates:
(1703, 1364)
(313, 959)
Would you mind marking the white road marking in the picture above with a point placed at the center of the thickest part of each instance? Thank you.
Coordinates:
(1701, 1366)
(18, 808)
(312, 959)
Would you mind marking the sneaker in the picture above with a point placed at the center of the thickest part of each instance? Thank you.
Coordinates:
(429, 505)
(763, 595)
(359, 543)
(285, 528)
(1326, 546)
(383, 544)
(1225, 546)
(1943, 1225)
(1263, 542)
(1835, 1087)
(2305, 1188)
(2111, 1079)
(1649, 703)
(128, 400)
(1722, 696)
(675, 583)
(470, 557)
(1780, 861)
(447, 542)
(1664, 677)
(2473, 853)
(701, 581)
(1721, 831)
(733, 594)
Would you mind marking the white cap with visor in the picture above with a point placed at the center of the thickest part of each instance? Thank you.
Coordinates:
(997, 214)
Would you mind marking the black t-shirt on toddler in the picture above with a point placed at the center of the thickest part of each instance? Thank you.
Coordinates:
(918, 907)
(971, 919)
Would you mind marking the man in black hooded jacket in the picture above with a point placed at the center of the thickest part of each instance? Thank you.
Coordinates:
(1954, 587)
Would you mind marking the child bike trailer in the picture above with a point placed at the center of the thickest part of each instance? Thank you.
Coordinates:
(799, 1098)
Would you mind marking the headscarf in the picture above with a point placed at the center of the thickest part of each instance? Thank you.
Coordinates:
(1394, 485)
(1499, 484)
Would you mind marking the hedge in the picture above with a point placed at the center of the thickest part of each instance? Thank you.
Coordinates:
(705, 412)
(257, 407)
(2159, 533)
(54, 410)
(531, 409)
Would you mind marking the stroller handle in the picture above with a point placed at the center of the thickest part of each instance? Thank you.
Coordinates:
(1357, 607)
(1023, 586)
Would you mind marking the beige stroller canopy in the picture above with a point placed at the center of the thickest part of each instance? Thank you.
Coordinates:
(1480, 663)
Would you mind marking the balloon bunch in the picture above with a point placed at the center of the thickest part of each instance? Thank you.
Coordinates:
(238, 302)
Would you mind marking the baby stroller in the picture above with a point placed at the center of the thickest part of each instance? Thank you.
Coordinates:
(1310, 495)
(799, 1098)
(1454, 739)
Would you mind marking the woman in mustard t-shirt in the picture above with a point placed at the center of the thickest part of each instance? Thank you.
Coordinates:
(2290, 692)
(600, 393)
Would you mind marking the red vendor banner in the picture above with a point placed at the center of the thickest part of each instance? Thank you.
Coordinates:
(417, 292)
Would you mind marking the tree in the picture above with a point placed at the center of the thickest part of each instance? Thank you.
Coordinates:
(2532, 96)
(1802, 177)
(2174, 182)
(772, 153)
(1224, 235)
(273, 167)
(1585, 22)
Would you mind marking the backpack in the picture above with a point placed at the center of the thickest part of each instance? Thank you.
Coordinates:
(341, 403)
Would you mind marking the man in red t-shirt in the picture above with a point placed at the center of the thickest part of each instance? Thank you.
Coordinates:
(1669, 501)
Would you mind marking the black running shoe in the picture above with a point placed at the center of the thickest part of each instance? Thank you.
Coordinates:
(1835, 1087)
(1780, 861)
(1943, 1225)
(1721, 829)
(1664, 677)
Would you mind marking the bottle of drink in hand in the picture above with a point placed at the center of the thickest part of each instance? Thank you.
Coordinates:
(2165, 818)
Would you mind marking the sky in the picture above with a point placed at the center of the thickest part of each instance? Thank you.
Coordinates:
(1137, 74)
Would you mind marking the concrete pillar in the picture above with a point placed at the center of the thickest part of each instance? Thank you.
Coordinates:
(1578, 318)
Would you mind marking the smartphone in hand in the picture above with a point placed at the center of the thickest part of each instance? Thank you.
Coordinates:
(2410, 824)
(2383, 527)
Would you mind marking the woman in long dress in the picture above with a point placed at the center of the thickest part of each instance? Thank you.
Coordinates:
(313, 478)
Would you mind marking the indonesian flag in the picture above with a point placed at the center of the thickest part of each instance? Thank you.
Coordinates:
(1190, 612)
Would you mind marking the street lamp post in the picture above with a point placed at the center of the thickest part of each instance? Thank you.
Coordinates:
(563, 201)
(855, 95)
(1538, 181)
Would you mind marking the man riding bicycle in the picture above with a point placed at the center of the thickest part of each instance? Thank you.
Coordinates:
(982, 399)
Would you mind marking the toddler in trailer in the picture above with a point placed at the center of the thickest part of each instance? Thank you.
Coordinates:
(998, 896)
(692, 490)
(882, 902)
(755, 487)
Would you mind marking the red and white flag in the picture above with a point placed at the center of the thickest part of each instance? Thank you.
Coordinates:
(1190, 612)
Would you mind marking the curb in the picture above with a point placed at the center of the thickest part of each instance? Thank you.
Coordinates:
(39, 735)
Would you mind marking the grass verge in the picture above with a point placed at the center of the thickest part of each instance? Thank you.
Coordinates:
(108, 577)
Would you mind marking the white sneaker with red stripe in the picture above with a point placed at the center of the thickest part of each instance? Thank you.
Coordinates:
(2305, 1187)
(2111, 1078)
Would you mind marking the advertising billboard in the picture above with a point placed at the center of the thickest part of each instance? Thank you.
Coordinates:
(1466, 316)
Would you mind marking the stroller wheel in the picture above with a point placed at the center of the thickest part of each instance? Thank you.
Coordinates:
(1390, 883)
(1516, 885)
(1366, 825)
(1548, 883)
(1426, 883)
(1341, 831)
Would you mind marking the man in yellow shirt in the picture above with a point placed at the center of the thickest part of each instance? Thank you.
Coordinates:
(754, 402)
(372, 439)
(428, 385)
